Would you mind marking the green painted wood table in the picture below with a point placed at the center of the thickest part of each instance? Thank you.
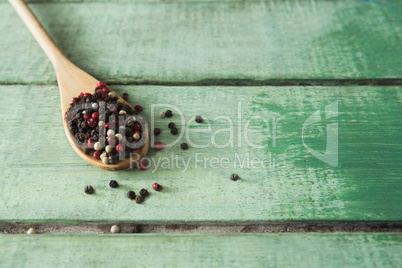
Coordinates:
(302, 99)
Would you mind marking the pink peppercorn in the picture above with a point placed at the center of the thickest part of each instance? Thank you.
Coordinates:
(137, 127)
(136, 151)
(97, 154)
(92, 122)
(107, 125)
(104, 95)
(74, 100)
(112, 140)
(158, 146)
(157, 187)
(86, 95)
(91, 143)
(119, 148)
(95, 115)
(142, 166)
(138, 108)
(87, 116)
(101, 84)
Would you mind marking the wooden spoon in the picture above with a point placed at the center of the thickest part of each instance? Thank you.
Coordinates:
(72, 81)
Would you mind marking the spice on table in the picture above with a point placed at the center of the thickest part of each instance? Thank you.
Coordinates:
(89, 190)
(125, 96)
(142, 166)
(157, 187)
(115, 229)
(168, 113)
(31, 231)
(234, 177)
(139, 199)
(174, 131)
(144, 193)
(158, 146)
(184, 146)
(131, 194)
(162, 115)
(198, 119)
(113, 184)
(157, 131)
(171, 125)
(138, 108)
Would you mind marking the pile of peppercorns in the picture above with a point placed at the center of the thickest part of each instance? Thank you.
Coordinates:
(104, 127)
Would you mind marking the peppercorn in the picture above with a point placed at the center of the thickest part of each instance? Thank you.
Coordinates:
(171, 125)
(113, 184)
(234, 177)
(158, 146)
(162, 115)
(142, 166)
(184, 146)
(157, 131)
(131, 195)
(168, 113)
(144, 193)
(138, 108)
(198, 119)
(157, 187)
(31, 231)
(87, 150)
(89, 190)
(115, 229)
(139, 199)
(174, 130)
(125, 96)
(112, 159)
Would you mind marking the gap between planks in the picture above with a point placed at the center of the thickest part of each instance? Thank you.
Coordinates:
(201, 227)
(241, 82)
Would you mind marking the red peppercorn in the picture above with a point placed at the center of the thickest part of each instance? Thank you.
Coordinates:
(74, 100)
(158, 146)
(136, 151)
(97, 154)
(101, 84)
(95, 115)
(81, 95)
(119, 148)
(137, 127)
(104, 95)
(91, 143)
(107, 125)
(142, 166)
(86, 95)
(112, 140)
(87, 116)
(157, 187)
(138, 108)
(92, 122)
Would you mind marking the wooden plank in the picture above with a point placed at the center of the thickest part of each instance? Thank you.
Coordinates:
(43, 179)
(251, 250)
(210, 42)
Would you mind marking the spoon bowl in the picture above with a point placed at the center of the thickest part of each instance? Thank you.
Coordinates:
(72, 81)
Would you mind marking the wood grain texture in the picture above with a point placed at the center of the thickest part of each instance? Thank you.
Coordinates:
(262, 250)
(43, 179)
(210, 42)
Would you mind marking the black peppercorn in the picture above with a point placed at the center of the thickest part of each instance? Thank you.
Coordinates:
(125, 96)
(112, 159)
(144, 193)
(131, 195)
(174, 130)
(157, 131)
(113, 184)
(171, 125)
(87, 150)
(168, 113)
(139, 199)
(198, 119)
(184, 146)
(234, 177)
(89, 190)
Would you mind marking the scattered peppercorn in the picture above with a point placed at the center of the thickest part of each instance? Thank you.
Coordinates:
(139, 199)
(168, 113)
(138, 108)
(125, 96)
(142, 166)
(157, 131)
(162, 115)
(31, 231)
(89, 190)
(174, 131)
(115, 229)
(113, 184)
(144, 193)
(131, 195)
(198, 119)
(157, 187)
(171, 125)
(158, 146)
(184, 146)
(234, 177)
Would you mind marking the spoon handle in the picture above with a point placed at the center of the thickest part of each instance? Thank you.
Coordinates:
(37, 30)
